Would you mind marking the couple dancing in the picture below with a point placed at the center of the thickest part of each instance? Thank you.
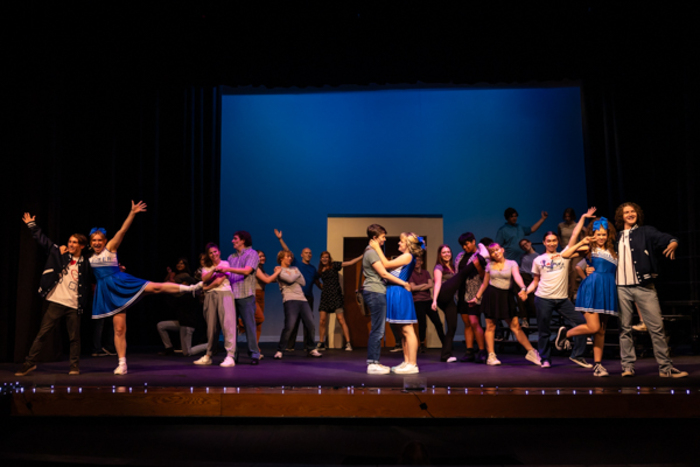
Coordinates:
(387, 294)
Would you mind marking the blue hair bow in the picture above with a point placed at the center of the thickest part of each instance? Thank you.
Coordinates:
(98, 229)
(422, 242)
(602, 222)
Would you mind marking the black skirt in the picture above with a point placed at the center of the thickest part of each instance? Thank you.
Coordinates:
(498, 304)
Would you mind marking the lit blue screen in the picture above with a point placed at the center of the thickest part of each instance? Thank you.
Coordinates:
(290, 160)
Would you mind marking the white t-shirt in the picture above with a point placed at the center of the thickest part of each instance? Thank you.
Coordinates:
(554, 276)
(225, 284)
(66, 291)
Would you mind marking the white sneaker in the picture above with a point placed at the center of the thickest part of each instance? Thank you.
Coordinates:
(121, 369)
(534, 357)
(377, 369)
(348, 347)
(278, 355)
(315, 353)
(228, 362)
(398, 367)
(451, 360)
(641, 327)
(205, 360)
(492, 360)
(407, 369)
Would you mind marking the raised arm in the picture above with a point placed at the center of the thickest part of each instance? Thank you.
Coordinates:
(351, 262)
(590, 214)
(114, 243)
(278, 234)
(42, 239)
(537, 224)
(573, 250)
(402, 260)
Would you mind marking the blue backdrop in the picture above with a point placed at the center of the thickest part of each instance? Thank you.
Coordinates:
(288, 160)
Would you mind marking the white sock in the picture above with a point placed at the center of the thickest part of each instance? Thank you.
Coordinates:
(122, 361)
(186, 288)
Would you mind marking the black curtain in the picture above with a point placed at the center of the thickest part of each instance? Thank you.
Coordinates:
(89, 151)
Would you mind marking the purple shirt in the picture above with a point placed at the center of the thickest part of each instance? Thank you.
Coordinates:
(419, 279)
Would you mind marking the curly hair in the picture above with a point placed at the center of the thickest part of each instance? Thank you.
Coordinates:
(413, 245)
(609, 243)
(620, 222)
(282, 254)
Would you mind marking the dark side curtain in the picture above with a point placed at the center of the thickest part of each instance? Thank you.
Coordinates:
(85, 153)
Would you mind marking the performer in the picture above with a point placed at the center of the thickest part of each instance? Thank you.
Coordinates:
(510, 233)
(332, 297)
(187, 309)
(116, 290)
(470, 262)
(374, 295)
(527, 309)
(64, 285)
(499, 302)
(219, 307)
(550, 284)
(597, 295)
(242, 265)
(445, 270)
(290, 281)
(421, 283)
(311, 277)
(399, 301)
(260, 274)
(636, 271)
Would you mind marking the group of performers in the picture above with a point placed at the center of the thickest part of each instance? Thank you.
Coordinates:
(484, 279)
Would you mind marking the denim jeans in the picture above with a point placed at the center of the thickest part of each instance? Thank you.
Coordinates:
(572, 318)
(246, 312)
(295, 330)
(377, 311)
(648, 303)
(293, 310)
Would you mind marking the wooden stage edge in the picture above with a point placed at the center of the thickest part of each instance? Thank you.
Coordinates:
(352, 403)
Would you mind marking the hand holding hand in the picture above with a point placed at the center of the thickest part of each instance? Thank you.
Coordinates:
(27, 218)
(523, 295)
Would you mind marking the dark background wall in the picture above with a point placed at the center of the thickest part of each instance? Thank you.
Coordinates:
(110, 102)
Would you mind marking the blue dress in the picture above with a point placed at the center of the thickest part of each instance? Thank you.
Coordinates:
(597, 292)
(399, 301)
(116, 290)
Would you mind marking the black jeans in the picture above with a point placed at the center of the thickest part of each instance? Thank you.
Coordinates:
(54, 313)
(294, 310)
(422, 310)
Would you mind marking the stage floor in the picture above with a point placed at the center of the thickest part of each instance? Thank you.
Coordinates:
(340, 369)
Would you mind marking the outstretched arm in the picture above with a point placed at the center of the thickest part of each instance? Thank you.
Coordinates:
(537, 224)
(268, 279)
(352, 261)
(278, 234)
(114, 243)
(573, 250)
(402, 260)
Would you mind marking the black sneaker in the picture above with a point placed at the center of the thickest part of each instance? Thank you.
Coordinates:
(421, 349)
(26, 369)
(481, 356)
(560, 340)
(167, 352)
(468, 357)
(321, 346)
(673, 373)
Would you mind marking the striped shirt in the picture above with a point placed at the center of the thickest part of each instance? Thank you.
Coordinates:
(243, 286)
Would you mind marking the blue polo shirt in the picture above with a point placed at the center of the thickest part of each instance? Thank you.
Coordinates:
(310, 275)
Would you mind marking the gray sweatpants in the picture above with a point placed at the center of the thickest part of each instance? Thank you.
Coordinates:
(220, 308)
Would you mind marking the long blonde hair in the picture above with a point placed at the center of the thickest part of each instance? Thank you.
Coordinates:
(413, 244)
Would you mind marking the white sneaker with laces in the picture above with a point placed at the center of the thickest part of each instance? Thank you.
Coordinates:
(315, 353)
(378, 369)
(205, 360)
(228, 362)
(348, 347)
(492, 360)
(451, 360)
(534, 357)
(407, 369)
